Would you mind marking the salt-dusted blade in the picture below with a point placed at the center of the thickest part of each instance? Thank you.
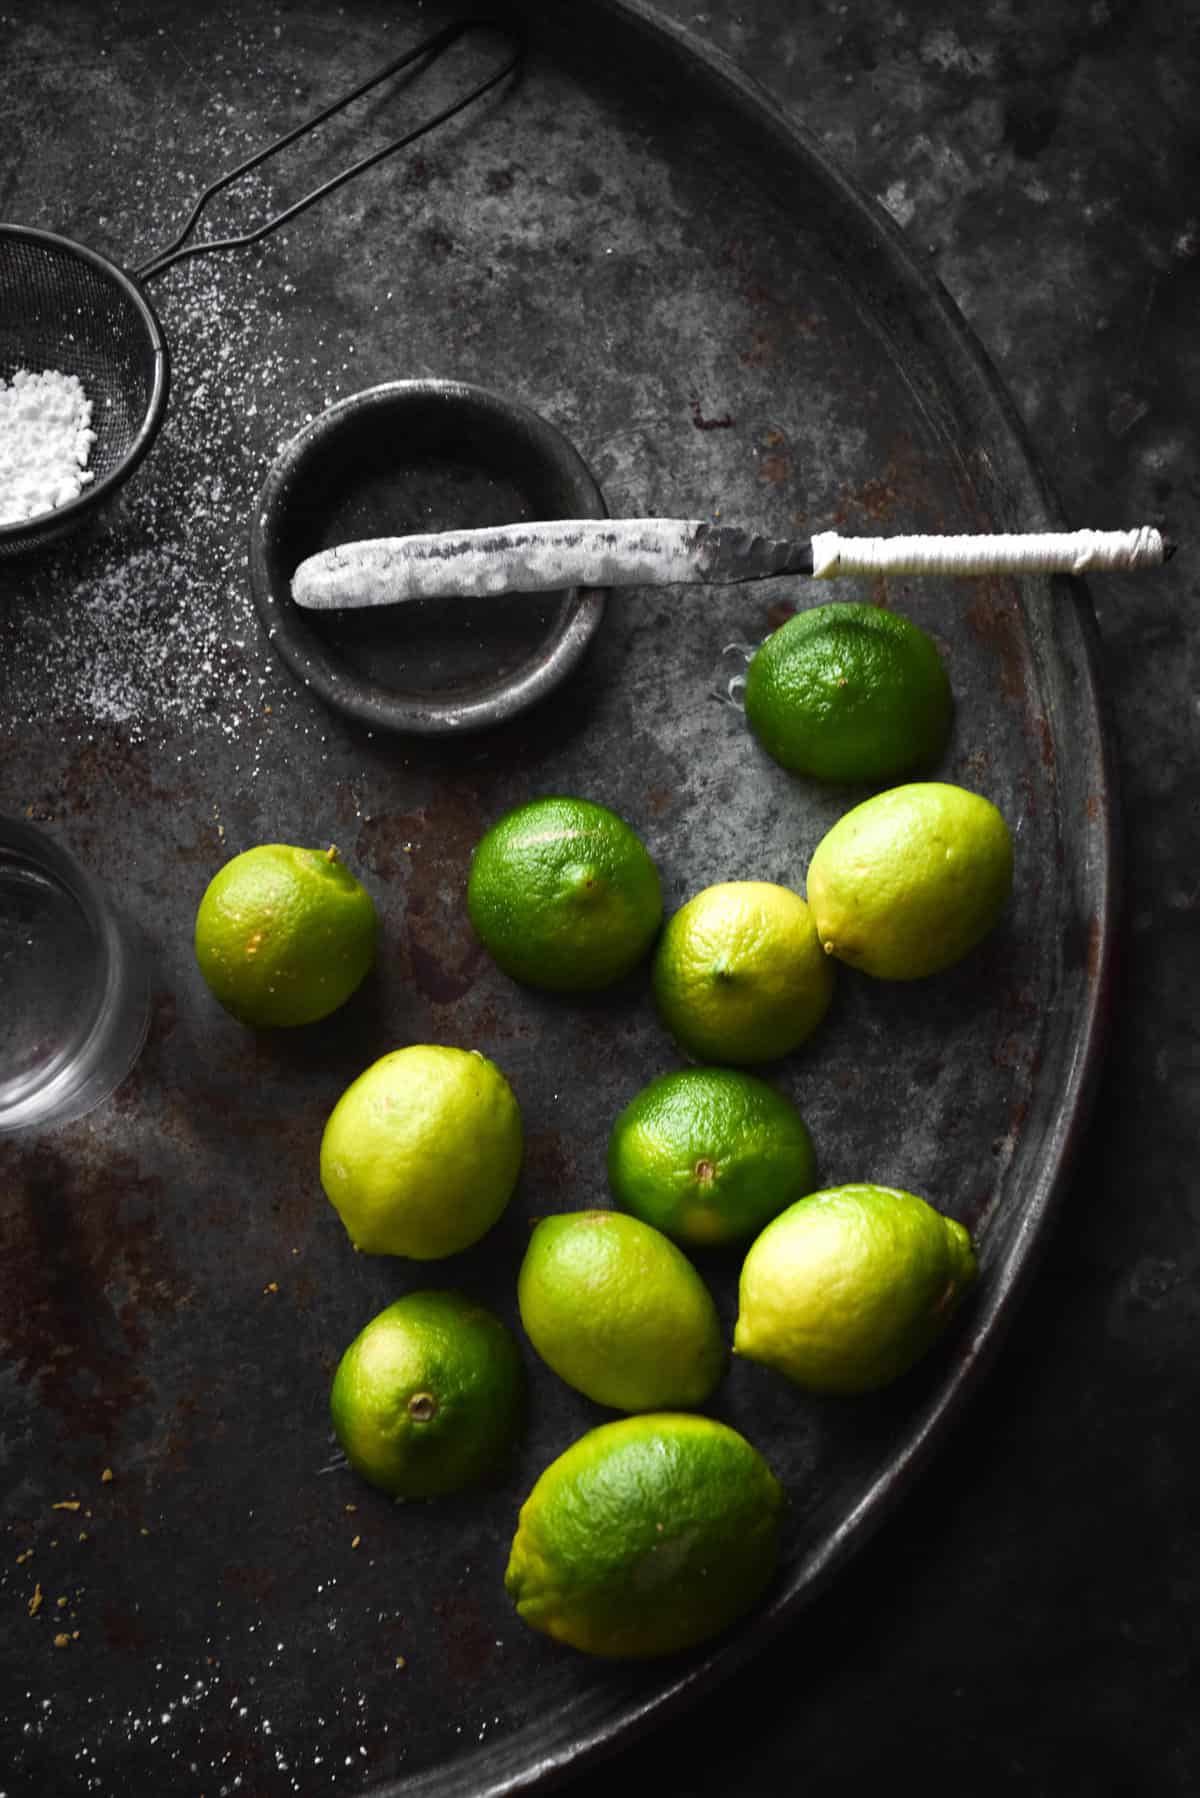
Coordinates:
(543, 557)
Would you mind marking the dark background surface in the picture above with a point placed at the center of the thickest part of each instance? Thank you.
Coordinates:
(1027, 1622)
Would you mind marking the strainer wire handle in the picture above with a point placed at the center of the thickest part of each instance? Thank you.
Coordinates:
(429, 49)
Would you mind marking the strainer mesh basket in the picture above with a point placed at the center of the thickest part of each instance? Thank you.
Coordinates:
(64, 307)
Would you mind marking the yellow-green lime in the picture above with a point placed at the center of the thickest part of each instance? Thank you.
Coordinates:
(428, 1397)
(646, 1536)
(564, 895)
(849, 692)
(909, 881)
(848, 1288)
(709, 1155)
(618, 1312)
(739, 975)
(421, 1153)
(283, 935)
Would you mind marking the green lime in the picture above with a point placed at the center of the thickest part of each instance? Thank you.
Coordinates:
(909, 881)
(421, 1153)
(563, 895)
(618, 1312)
(646, 1536)
(739, 975)
(428, 1397)
(848, 1288)
(284, 935)
(709, 1155)
(849, 692)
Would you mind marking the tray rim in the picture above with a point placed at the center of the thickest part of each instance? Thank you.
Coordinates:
(958, 345)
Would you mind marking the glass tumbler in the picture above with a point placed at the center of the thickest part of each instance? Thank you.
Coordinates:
(74, 985)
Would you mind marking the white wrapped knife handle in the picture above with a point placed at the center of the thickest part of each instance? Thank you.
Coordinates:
(1043, 552)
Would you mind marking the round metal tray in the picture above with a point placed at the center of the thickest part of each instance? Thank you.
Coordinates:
(634, 242)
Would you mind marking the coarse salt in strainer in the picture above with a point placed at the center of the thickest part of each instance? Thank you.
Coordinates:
(66, 307)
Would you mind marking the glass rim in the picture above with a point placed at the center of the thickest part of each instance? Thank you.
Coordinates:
(81, 1077)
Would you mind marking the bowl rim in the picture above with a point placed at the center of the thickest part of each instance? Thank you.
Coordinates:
(369, 703)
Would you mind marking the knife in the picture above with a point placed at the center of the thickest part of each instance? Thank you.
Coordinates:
(657, 552)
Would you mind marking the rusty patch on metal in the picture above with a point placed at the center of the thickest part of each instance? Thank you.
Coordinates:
(164, 1013)
(702, 423)
(876, 498)
(976, 767)
(255, 1580)
(469, 1645)
(207, 848)
(428, 853)
(383, 847)
(84, 1273)
(125, 1632)
(761, 351)
(775, 459)
(108, 763)
(549, 1164)
(993, 618)
(440, 982)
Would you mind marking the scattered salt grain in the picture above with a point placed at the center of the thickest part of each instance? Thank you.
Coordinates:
(45, 441)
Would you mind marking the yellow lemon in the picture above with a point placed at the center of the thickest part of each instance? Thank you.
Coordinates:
(911, 880)
(848, 1288)
(739, 975)
(421, 1153)
(619, 1312)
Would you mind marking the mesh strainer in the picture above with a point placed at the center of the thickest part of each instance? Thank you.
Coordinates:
(66, 307)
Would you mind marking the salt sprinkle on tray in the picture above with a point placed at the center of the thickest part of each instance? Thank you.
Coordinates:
(45, 441)
(147, 627)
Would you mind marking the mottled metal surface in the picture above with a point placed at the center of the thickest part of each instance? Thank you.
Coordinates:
(710, 318)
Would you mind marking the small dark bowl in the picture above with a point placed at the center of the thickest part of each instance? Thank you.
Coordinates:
(414, 456)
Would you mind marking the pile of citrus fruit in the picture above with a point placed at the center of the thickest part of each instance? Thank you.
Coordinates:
(651, 1533)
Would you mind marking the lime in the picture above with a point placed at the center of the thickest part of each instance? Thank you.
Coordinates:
(646, 1536)
(739, 975)
(284, 935)
(849, 692)
(847, 1288)
(421, 1153)
(709, 1155)
(428, 1397)
(563, 895)
(619, 1312)
(906, 883)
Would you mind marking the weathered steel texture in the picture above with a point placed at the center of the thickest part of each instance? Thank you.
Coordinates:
(634, 246)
